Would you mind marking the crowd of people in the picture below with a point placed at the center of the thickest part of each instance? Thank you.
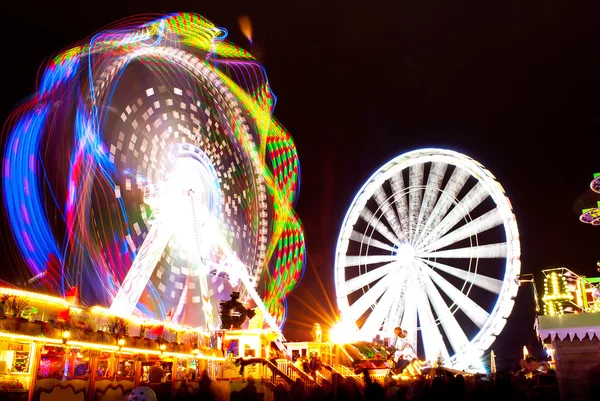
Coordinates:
(528, 383)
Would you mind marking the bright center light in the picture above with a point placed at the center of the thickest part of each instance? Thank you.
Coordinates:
(405, 254)
(343, 333)
(187, 174)
(188, 196)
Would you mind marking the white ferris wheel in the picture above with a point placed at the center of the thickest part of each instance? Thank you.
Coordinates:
(430, 244)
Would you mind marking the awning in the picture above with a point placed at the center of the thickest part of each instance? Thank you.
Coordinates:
(570, 325)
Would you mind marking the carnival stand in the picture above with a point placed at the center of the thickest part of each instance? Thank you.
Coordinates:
(48, 346)
(570, 330)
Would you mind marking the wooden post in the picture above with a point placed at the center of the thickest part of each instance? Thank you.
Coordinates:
(72, 357)
(34, 366)
(93, 371)
(138, 373)
(173, 377)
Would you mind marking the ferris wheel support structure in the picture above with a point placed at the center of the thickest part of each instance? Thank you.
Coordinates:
(165, 222)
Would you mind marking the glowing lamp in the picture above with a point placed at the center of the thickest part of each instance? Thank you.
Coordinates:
(65, 336)
(121, 342)
(163, 347)
(343, 333)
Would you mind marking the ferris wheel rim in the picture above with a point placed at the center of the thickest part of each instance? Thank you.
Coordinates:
(505, 298)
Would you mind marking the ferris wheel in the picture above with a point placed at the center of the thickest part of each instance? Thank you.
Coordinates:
(180, 184)
(430, 244)
(201, 187)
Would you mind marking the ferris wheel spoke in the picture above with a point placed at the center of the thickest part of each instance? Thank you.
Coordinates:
(476, 313)
(398, 189)
(490, 251)
(378, 225)
(470, 201)
(377, 315)
(432, 338)
(368, 260)
(434, 182)
(364, 280)
(206, 305)
(369, 298)
(454, 333)
(487, 283)
(487, 221)
(370, 241)
(457, 181)
(409, 317)
(415, 181)
(396, 311)
(388, 212)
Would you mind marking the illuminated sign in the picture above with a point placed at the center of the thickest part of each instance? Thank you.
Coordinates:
(5, 346)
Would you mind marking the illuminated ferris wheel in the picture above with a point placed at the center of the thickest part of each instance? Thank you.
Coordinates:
(170, 183)
(201, 189)
(430, 244)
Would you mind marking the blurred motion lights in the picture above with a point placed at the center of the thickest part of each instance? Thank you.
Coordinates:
(148, 170)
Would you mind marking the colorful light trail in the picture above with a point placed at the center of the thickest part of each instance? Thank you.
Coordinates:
(115, 115)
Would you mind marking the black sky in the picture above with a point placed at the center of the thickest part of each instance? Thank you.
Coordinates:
(514, 85)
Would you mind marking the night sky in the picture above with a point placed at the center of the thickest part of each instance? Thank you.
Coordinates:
(515, 87)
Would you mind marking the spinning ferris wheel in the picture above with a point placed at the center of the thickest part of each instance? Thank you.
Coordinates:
(148, 170)
(430, 244)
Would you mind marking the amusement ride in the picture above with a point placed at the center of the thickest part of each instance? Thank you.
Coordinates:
(592, 215)
(430, 244)
(148, 170)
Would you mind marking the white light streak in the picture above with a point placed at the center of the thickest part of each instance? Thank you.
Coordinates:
(389, 213)
(367, 278)
(476, 313)
(397, 183)
(368, 216)
(457, 181)
(489, 220)
(370, 241)
(368, 299)
(375, 318)
(368, 259)
(481, 251)
(415, 180)
(471, 200)
(487, 283)
(454, 333)
(434, 182)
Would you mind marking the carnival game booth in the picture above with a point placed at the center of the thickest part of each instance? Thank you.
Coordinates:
(53, 350)
(570, 332)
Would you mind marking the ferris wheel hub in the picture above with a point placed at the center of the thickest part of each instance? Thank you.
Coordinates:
(405, 254)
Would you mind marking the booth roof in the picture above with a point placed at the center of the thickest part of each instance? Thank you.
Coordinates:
(573, 325)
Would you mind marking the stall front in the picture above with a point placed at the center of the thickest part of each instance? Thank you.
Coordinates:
(52, 350)
(572, 340)
(15, 368)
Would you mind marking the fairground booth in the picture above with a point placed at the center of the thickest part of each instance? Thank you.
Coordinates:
(570, 331)
(52, 350)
